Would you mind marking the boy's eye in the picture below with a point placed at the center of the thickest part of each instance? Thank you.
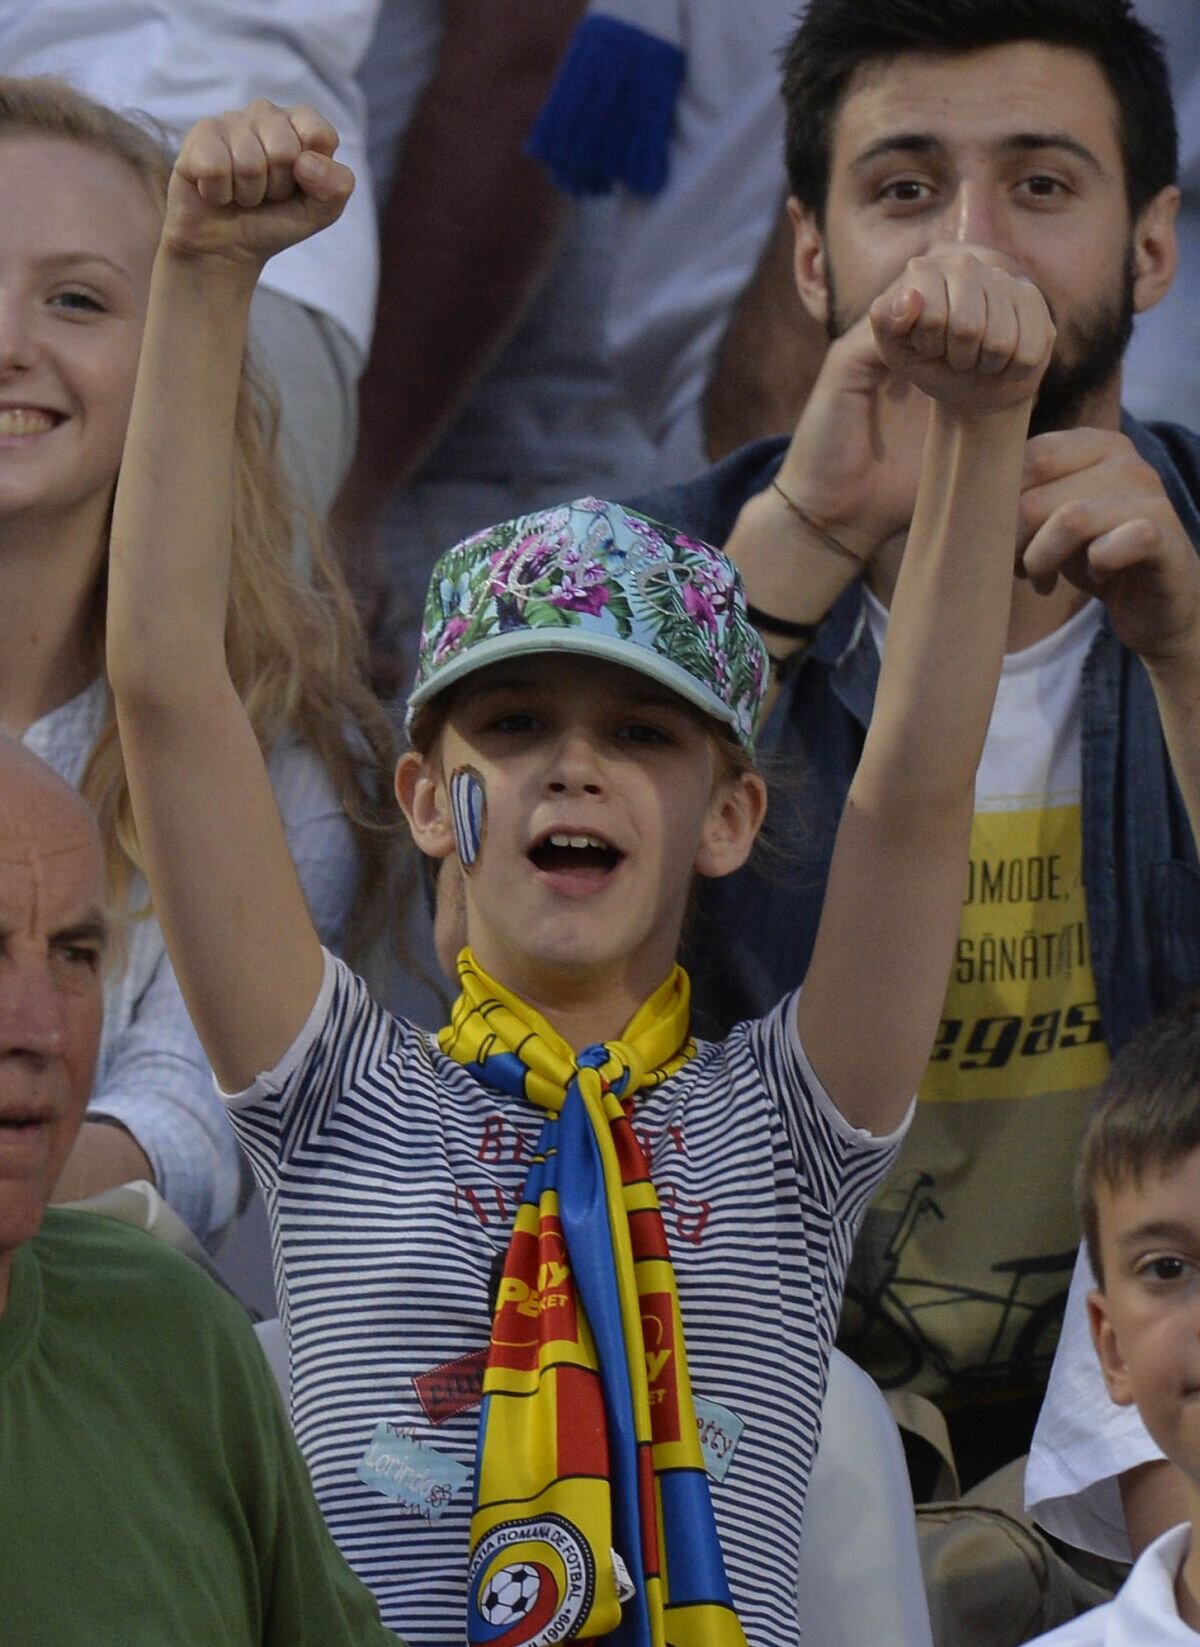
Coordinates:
(640, 732)
(82, 301)
(1163, 1269)
(517, 720)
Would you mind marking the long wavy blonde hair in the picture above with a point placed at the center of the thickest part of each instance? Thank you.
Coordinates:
(294, 644)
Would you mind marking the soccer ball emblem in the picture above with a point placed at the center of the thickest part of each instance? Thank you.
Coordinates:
(510, 1594)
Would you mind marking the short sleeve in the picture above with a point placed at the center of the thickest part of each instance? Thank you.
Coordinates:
(842, 1164)
(155, 1080)
(349, 1056)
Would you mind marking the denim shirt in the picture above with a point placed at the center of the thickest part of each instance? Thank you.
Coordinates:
(752, 934)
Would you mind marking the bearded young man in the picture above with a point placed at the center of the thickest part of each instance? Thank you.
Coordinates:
(1038, 135)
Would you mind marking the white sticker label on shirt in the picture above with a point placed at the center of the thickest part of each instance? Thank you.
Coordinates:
(626, 1588)
(403, 1468)
(720, 1432)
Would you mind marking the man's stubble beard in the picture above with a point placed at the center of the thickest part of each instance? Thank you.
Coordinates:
(1087, 353)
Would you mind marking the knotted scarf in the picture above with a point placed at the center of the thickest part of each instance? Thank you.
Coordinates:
(592, 1515)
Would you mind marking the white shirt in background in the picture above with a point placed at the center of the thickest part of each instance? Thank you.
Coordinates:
(180, 60)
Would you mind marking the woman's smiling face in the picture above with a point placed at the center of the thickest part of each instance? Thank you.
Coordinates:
(79, 237)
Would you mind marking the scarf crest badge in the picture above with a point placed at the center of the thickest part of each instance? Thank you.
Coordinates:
(592, 1517)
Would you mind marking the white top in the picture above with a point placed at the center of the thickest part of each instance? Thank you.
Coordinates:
(1034, 746)
(1083, 1441)
(1143, 1613)
(180, 60)
(152, 1074)
(685, 255)
(391, 1178)
(549, 408)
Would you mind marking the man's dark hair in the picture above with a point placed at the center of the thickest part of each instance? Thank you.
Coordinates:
(836, 37)
(1146, 1117)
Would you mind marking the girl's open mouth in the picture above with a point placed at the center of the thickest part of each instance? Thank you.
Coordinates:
(570, 854)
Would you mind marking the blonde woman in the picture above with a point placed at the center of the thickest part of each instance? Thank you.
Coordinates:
(82, 194)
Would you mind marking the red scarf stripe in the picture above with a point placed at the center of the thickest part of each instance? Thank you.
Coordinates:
(648, 1505)
(582, 1446)
(647, 1236)
(630, 1154)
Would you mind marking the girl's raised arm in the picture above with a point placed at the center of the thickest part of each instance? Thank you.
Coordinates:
(236, 924)
(976, 340)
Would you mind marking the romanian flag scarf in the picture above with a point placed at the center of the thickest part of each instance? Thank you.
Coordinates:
(592, 1516)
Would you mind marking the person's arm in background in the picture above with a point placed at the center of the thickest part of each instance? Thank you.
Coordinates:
(1099, 516)
(467, 235)
(845, 486)
(104, 1154)
(163, 1118)
(769, 356)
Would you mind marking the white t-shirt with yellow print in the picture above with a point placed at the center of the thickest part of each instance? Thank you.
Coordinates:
(965, 1257)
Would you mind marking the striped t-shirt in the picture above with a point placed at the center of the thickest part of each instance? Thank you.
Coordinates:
(392, 1177)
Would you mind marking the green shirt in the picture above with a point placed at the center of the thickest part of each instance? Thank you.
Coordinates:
(150, 1489)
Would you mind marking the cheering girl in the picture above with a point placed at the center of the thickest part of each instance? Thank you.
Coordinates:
(560, 1283)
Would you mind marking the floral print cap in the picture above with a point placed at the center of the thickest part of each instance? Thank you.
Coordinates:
(590, 577)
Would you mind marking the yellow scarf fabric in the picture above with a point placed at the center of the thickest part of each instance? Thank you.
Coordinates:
(592, 1514)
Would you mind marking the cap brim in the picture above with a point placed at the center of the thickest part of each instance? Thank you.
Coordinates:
(581, 643)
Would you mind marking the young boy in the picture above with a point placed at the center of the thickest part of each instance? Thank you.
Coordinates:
(1139, 1203)
(583, 772)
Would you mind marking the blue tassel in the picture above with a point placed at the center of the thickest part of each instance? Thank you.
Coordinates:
(607, 118)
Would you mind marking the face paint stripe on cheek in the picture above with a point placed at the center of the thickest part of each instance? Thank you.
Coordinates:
(468, 813)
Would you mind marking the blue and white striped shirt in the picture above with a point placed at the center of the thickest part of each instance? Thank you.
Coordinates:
(392, 1178)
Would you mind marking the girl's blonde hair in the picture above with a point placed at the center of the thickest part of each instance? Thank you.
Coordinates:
(294, 644)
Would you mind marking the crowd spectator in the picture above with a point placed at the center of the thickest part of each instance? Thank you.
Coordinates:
(175, 63)
(1081, 911)
(487, 392)
(152, 1490)
(771, 349)
(675, 106)
(582, 730)
(1139, 1189)
(83, 192)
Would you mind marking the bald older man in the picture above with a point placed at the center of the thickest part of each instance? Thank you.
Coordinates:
(150, 1490)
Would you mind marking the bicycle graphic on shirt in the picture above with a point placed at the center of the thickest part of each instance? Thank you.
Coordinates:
(884, 1327)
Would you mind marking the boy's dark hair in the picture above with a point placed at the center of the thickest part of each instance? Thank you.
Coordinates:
(1146, 1117)
(836, 37)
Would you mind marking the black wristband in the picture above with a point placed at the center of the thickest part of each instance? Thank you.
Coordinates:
(780, 626)
(786, 669)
